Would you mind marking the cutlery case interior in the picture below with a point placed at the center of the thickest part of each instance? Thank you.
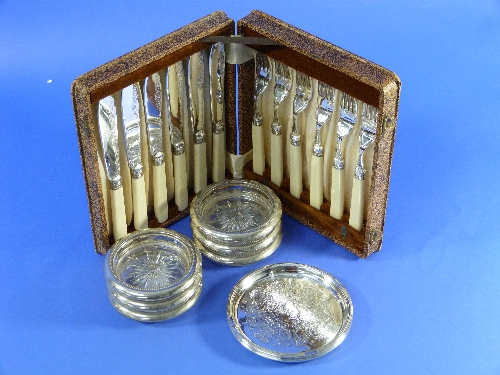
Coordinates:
(345, 72)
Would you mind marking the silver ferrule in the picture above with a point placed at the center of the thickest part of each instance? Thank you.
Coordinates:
(199, 136)
(359, 172)
(294, 126)
(317, 136)
(275, 117)
(317, 150)
(257, 119)
(219, 95)
(137, 171)
(276, 128)
(116, 182)
(178, 148)
(218, 127)
(338, 161)
(295, 139)
(158, 158)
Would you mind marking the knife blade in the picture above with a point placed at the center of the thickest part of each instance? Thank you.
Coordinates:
(108, 132)
(197, 76)
(218, 121)
(174, 90)
(152, 105)
(131, 127)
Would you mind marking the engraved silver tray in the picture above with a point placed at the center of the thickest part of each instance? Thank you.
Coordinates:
(289, 312)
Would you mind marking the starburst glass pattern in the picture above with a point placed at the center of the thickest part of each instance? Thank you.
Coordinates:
(291, 314)
(153, 269)
(236, 215)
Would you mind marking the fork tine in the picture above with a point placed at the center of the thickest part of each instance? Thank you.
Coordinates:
(307, 82)
(301, 79)
(321, 89)
(326, 91)
(370, 113)
(262, 62)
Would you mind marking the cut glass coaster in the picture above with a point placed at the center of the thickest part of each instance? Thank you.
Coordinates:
(236, 222)
(153, 274)
(236, 211)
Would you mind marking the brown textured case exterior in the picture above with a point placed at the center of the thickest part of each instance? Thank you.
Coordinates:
(302, 51)
(114, 76)
(351, 74)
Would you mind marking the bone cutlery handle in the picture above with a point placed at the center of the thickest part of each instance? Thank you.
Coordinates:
(259, 162)
(357, 204)
(219, 157)
(200, 166)
(276, 159)
(180, 181)
(316, 190)
(160, 193)
(337, 193)
(139, 203)
(118, 213)
(295, 171)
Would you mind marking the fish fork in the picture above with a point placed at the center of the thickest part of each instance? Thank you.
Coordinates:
(367, 135)
(262, 79)
(347, 120)
(282, 85)
(324, 111)
(302, 97)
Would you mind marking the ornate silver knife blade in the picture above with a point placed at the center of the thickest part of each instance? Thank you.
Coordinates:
(175, 79)
(132, 129)
(218, 137)
(221, 67)
(108, 131)
(213, 49)
(199, 114)
(152, 105)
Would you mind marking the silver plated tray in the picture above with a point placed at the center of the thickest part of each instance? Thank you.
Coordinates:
(289, 312)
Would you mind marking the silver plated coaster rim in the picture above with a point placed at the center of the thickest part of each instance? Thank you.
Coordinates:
(289, 270)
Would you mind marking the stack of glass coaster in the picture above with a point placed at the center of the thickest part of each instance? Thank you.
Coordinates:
(236, 222)
(153, 274)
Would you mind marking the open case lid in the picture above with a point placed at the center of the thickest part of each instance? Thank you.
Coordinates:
(304, 52)
(354, 75)
(113, 76)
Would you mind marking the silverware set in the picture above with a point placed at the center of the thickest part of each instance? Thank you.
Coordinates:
(335, 116)
(172, 126)
(165, 135)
